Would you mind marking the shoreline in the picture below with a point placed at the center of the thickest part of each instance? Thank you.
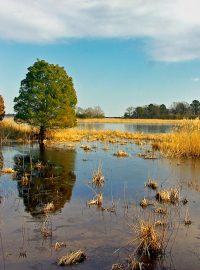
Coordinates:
(133, 121)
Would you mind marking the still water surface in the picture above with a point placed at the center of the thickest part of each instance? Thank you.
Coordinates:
(98, 233)
(145, 128)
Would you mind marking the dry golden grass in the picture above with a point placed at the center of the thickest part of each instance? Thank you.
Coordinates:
(145, 202)
(7, 170)
(120, 153)
(171, 195)
(14, 131)
(150, 239)
(118, 266)
(153, 184)
(98, 177)
(72, 258)
(76, 135)
(86, 147)
(160, 210)
(133, 121)
(58, 245)
(98, 200)
(183, 142)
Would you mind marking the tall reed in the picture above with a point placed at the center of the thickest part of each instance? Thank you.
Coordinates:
(183, 142)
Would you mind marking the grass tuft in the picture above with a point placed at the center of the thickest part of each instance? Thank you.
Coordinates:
(74, 257)
(121, 153)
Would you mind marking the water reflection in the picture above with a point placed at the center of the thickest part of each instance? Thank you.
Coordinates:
(1, 160)
(46, 177)
(146, 128)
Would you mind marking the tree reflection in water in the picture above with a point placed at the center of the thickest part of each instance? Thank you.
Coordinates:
(1, 160)
(45, 177)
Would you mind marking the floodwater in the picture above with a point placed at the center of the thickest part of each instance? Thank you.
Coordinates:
(63, 176)
(145, 128)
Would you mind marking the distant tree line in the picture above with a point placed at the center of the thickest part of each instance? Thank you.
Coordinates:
(177, 110)
(95, 112)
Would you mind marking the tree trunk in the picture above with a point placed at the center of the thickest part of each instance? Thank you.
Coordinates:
(42, 136)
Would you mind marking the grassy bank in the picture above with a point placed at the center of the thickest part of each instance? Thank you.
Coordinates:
(183, 142)
(10, 130)
(133, 121)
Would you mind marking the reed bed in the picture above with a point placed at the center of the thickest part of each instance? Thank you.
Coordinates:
(183, 142)
(10, 130)
(76, 135)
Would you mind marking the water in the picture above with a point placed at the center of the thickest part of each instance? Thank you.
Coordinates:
(99, 233)
(145, 128)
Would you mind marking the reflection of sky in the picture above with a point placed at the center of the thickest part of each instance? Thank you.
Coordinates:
(100, 232)
(145, 128)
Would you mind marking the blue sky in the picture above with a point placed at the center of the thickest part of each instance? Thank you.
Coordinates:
(119, 53)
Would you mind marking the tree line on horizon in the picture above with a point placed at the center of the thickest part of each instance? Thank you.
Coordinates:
(95, 112)
(178, 110)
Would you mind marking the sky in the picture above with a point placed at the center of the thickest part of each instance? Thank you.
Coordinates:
(120, 53)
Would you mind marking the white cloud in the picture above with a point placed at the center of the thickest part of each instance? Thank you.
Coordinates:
(172, 27)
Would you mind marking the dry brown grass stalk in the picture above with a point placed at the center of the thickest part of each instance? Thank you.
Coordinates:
(58, 245)
(74, 257)
(118, 266)
(153, 184)
(98, 177)
(98, 200)
(145, 202)
(171, 195)
(160, 210)
(7, 170)
(150, 239)
(121, 153)
(86, 147)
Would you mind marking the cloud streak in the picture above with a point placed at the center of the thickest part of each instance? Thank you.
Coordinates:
(171, 27)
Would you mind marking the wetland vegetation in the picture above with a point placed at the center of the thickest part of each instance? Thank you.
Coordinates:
(80, 200)
(95, 198)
